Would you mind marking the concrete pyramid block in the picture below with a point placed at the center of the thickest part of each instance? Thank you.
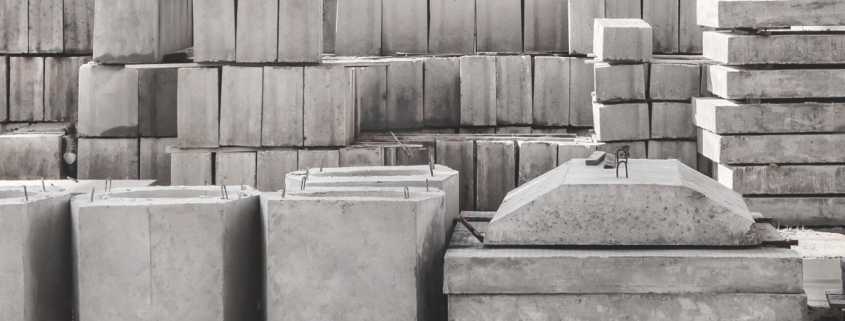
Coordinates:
(663, 203)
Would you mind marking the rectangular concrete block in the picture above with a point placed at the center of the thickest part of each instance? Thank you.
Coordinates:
(272, 166)
(235, 168)
(581, 86)
(622, 122)
(46, 26)
(351, 156)
(155, 159)
(478, 91)
(495, 174)
(460, 156)
(610, 87)
(240, 106)
(359, 24)
(257, 31)
(748, 83)
(616, 9)
(108, 101)
(31, 156)
(314, 159)
(674, 80)
(61, 85)
(689, 33)
(4, 89)
(581, 16)
(682, 150)
(371, 96)
(769, 13)
(535, 159)
(405, 94)
(442, 91)
(571, 150)
(198, 107)
(622, 40)
(672, 120)
(807, 180)
(14, 21)
(282, 106)
(140, 31)
(800, 211)
(772, 149)
(78, 20)
(498, 26)
(546, 26)
(191, 168)
(328, 117)
(514, 90)
(157, 100)
(776, 48)
(663, 16)
(404, 27)
(406, 156)
(102, 158)
(214, 30)
(329, 25)
(551, 91)
(729, 117)
(300, 31)
(26, 88)
(451, 27)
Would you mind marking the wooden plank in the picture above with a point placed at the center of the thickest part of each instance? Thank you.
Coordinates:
(61, 84)
(214, 30)
(442, 90)
(26, 88)
(78, 26)
(240, 106)
(358, 28)
(281, 121)
(46, 26)
(198, 107)
(258, 27)
(513, 90)
(404, 26)
(405, 94)
(581, 16)
(14, 20)
(452, 27)
(300, 31)
(498, 25)
(546, 26)
(551, 91)
(478, 91)
(663, 17)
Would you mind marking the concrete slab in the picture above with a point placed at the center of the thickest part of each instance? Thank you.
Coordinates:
(352, 156)
(241, 97)
(314, 159)
(716, 216)
(783, 180)
(514, 90)
(31, 156)
(498, 26)
(729, 117)
(310, 276)
(191, 168)
(760, 149)
(14, 20)
(214, 30)
(359, 25)
(405, 94)
(257, 31)
(622, 40)
(157, 100)
(442, 91)
(622, 122)
(460, 155)
(108, 101)
(616, 9)
(272, 166)
(140, 250)
(404, 27)
(102, 158)
(155, 159)
(747, 83)
(546, 26)
(451, 27)
(61, 83)
(26, 88)
(478, 91)
(581, 86)
(800, 211)
(78, 20)
(674, 80)
(282, 106)
(776, 48)
(157, 28)
(235, 168)
(496, 171)
(689, 33)
(551, 91)
(371, 96)
(682, 150)
(663, 16)
(672, 120)
(328, 112)
(45, 26)
(300, 31)
(620, 83)
(581, 16)
(776, 13)
(198, 107)
(535, 159)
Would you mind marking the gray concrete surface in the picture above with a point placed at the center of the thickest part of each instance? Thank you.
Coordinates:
(272, 166)
(235, 168)
(682, 150)
(300, 31)
(405, 94)
(514, 91)
(776, 48)
(257, 31)
(801, 211)
(329, 111)
(31, 156)
(460, 156)
(783, 179)
(318, 158)
(673, 120)
(108, 101)
(282, 106)
(101, 158)
(155, 159)
(157, 99)
(352, 156)
(359, 25)
(551, 91)
(664, 18)
(582, 13)
(191, 168)
(141, 32)
(622, 40)
(498, 26)
(60, 87)
(722, 116)
(769, 13)
(371, 96)
(26, 88)
(670, 80)
(442, 90)
(214, 31)
(404, 27)
(451, 27)
(772, 149)
(546, 26)
(495, 172)
(198, 107)
(746, 83)
(478, 91)
(622, 122)
(535, 159)
(620, 83)
(581, 87)
(241, 97)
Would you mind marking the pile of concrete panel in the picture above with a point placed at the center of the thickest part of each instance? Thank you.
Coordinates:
(581, 242)
(775, 132)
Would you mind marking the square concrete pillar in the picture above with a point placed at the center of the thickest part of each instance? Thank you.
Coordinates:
(620, 83)
(31, 156)
(682, 150)
(495, 172)
(61, 85)
(581, 16)
(670, 80)
(478, 91)
(404, 27)
(385, 247)
(108, 101)
(353, 156)
(214, 30)
(198, 105)
(157, 100)
(451, 27)
(328, 117)
(155, 159)
(460, 156)
(371, 96)
(235, 168)
(622, 122)
(498, 26)
(546, 26)
(240, 106)
(581, 86)
(551, 91)
(14, 23)
(191, 168)
(26, 88)
(672, 120)
(359, 24)
(35, 254)
(102, 158)
(622, 40)
(257, 37)
(78, 26)
(514, 90)
(282, 103)
(442, 90)
(405, 94)
(663, 17)
(300, 30)
(535, 159)
(272, 166)
(314, 159)
(139, 251)
(133, 31)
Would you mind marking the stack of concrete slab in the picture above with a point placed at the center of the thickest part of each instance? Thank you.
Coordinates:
(775, 132)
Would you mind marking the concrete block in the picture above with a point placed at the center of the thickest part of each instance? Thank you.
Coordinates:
(571, 150)
(616, 9)
(535, 159)
(728, 117)
(498, 26)
(514, 130)
(108, 101)
(198, 105)
(141, 31)
(551, 91)
(478, 91)
(451, 27)
(191, 168)
(800, 211)
(696, 210)
(514, 90)
(408, 251)
(776, 13)
(746, 83)
(620, 83)
(45, 31)
(257, 33)
(14, 19)
(26, 88)
(359, 24)
(460, 156)
(138, 251)
(623, 122)
(328, 117)
(281, 106)
(637, 148)
(682, 150)
(404, 27)
(4, 89)
(240, 106)
(236, 168)
(581, 16)
(314, 159)
(300, 31)
(546, 26)
(674, 80)
(442, 90)
(272, 166)
(361, 156)
(495, 174)
(581, 86)
(772, 149)
(371, 96)
(214, 30)
(157, 100)
(35, 247)
(406, 156)
(31, 156)
(622, 40)
(61, 83)
(78, 20)
(329, 24)
(783, 180)
(672, 120)
(689, 33)
(155, 159)
(663, 16)
(776, 48)
(405, 94)
(102, 158)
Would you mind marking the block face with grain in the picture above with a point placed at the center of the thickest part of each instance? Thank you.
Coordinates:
(26, 88)
(751, 83)
(405, 94)
(272, 166)
(198, 107)
(460, 156)
(535, 159)
(672, 120)
(622, 122)
(674, 80)
(78, 19)
(793, 180)
(784, 48)
(496, 172)
(61, 87)
(157, 100)
(514, 90)
(581, 86)
(155, 159)
(158, 27)
(31, 156)
(404, 27)
(498, 26)
(682, 150)
(14, 21)
(371, 96)
(102, 158)
(46, 26)
(191, 168)
(663, 16)
(4, 89)
(772, 149)
(236, 168)
(240, 106)
(770, 13)
(282, 106)
(257, 30)
(451, 27)
(620, 83)
(551, 91)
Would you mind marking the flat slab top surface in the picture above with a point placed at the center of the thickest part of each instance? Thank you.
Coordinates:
(166, 195)
(357, 194)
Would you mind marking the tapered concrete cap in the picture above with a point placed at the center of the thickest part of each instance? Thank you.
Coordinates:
(663, 203)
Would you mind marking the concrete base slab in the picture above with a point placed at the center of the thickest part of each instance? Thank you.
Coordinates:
(722, 116)
(188, 168)
(760, 149)
(102, 158)
(783, 180)
(31, 156)
(747, 83)
(800, 211)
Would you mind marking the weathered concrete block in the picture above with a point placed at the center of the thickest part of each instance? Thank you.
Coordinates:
(622, 40)
(214, 30)
(329, 25)
(26, 88)
(409, 251)
(460, 155)
(637, 148)
(495, 172)
(451, 27)
(744, 83)
(102, 158)
(663, 17)
(728, 117)
(405, 94)
(257, 32)
(674, 80)
(138, 251)
(359, 25)
(235, 168)
(546, 26)
(157, 100)
(371, 96)
(442, 90)
(776, 48)
(800, 211)
(272, 166)
(498, 26)
(621, 122)
(689, 33)
(682, 150)
(404, 27)
(31, 156)
(535, 159)
(141, 31)
(407, 156)
(514, 90)
(772, 149)
(620, 83)
(328, 118)
(769, 13)
(351, 156)
(672, 120)
(155, 159)
(551, 91)
(198, 105)
(108, 101)
(191, 168)
(478, 91)
(581, 16)
(78, 23)
(314, 159)
(45, 31)
(581, 86)
(616, 9)
(4, 89)
(240, 106)
(783, 179)
(300, 30)
(513, 130)
(567, 151)
(281, 106)
(14, 23)
(61, 83)
(36, 257)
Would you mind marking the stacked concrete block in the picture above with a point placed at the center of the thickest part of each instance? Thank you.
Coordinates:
(498, 26)
(155, 159)
(551, 97)
(32, 156)
(127, 31)
(673, 82)
(39, 89)
(103, 158)
(358, 28)
(496, 90)
(46, 27)
(451, 27)
(581, 87)
(442, 92)
(191, 168)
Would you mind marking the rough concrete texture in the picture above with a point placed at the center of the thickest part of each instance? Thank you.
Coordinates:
(674, 80)
(546, 26)
(352, 156)
(776, 48)
(405, 94)
(45, 26)
(214, 30)
(256, 34)
(282, 106)
(108, 101)
(568, 151)
(155, 159)
(141, 31)
(272, 166)
(235, 168)
(689, 33)
(141, 252)
(102, 158)
(315, 159)
(551, 91)
(769, 13)
(240, 106)
(451, 27)
(31, 156)
(783, 180)
(78, 22)
(672, 120)
(748, 83)
(682, 150)
(622, 122)
(391, 273)
(328, 111)
(406, 156)
(637, 148)
(198, 104)
(359, 25)
(772, 149)
(800, 211)
(157, 99)
(495, 173)
(622, 40)
(514, 90)
(663, 16)
(722, 116)
(404, 27)
(60, 87)
(581, 86)
(442, 90)
(460, 155)
(371, 96)
(478, 91)
(35, 254)
(570, 206)
(14, 21)
(4, 89)
(300, 31)
(498, 26)
(582, 13)
(620, 83)
(26, 88)
(535, 159)
(191, 168)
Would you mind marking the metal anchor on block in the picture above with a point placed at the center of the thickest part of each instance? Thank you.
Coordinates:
(622, 155)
